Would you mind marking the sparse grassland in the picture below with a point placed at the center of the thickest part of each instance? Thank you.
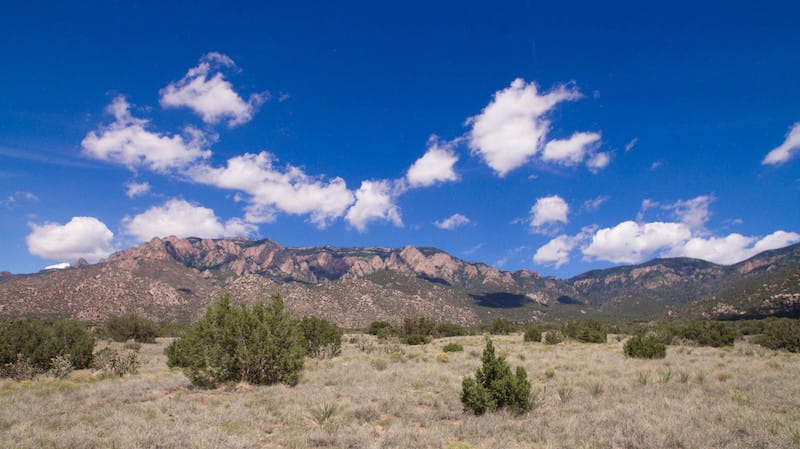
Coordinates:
(399, 396)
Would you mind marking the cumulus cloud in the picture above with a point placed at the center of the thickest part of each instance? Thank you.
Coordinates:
(598, 161)
(555, 252)
(374, 201)
(205, 91)
(734, 247)
(435, 166)
(80, 238)
(788, 149)
(183, 219)
(277, 189)
(513, 127)
(452, 222)
(548, 211)
(694, 212)
(134, 189)
(571, 151)
(632, 242)
(127, 142)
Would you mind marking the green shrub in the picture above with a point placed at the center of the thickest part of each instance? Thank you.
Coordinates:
(553, 337)
(112, 362)
(322, 338)
(132, 327)
(533, 333)
(415, 339)
(587, 331)
(36, 343)
(259, 345)
(451, 330)
(708, 333)
(501, 326)
(495, 387)
(453, 347)
(783, 333)
(645, 347)
(60, 366)
(381, 329)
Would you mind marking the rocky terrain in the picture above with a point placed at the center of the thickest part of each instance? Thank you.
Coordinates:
(176, 279)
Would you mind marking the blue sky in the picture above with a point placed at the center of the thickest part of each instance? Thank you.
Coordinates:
(558, 138)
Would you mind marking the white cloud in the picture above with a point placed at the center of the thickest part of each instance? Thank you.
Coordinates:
(58, 266)
(182, 219)
(693, 212)
(734, 247)
(18, 197)
(788, 149)
(595, 203)
(631, 242)
(555, 252)
(272, 190)
(374, 201)
(512, 128)
(452, 222)
(127, 142)
(570, 151)
(547, 211)
(80, 238)
(598, 161)
(134, 189)
(205, 91)
(655, 165)
(435, 166)
(629, 146)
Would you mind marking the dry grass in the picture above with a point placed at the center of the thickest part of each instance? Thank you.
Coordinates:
(588, 396)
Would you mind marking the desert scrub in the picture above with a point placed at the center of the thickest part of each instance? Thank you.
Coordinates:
(783, 333)
(495, 387)
(533, 333)
(131, 327)
(587, 331)
(112, 362)
(322, 338)
(453, 347)
(553, 337)
(645, 347)
(259, 345)
(39, 342)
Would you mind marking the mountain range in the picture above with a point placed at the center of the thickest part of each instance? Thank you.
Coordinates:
(177, 279)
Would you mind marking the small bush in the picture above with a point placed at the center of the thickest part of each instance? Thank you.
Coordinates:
(501, 326)
(322, 338)
(442, 357)
(419, 326)
(453, 347)
(112, 362)
(451, 330)
(587, 331)
(708, 333)
(259, 345)
(381, 329)
(415, 339)
(132, 327)
(495, 387)
(19, 369)
(645, 347)
(781, 333)
(533, 333)
(61, 366)
(553, 337)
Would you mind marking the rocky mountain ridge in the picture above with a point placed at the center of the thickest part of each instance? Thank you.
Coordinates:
(174, 278)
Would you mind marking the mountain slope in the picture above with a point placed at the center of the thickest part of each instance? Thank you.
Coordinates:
(177, 279)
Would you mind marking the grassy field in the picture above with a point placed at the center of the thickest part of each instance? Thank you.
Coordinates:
(383, 395)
